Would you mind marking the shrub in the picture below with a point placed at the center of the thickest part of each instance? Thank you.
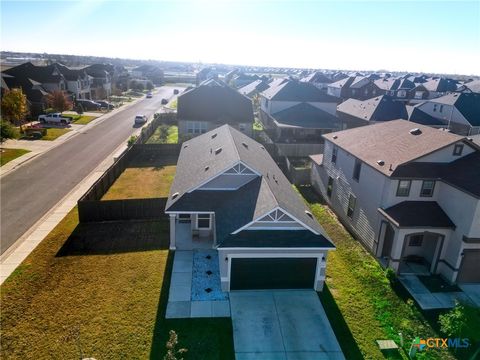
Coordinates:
(391, 275)
(7, 131)
(132, 140)
(454, 322)
(172, 352)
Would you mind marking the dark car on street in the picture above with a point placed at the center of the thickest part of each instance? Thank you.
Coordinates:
(88, 104)
(105, 104)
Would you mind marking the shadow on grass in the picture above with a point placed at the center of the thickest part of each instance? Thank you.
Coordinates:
(116, 237)
(340, 328)
(310, 195)
(204, 338)
(157, 159)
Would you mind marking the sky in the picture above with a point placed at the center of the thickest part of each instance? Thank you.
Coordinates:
(417, 36)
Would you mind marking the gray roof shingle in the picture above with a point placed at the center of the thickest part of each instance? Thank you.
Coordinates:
(418, 214)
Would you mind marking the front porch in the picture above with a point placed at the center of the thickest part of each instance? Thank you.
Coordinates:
(192, 231)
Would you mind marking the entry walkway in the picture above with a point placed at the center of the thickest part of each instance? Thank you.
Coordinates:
(283, 324)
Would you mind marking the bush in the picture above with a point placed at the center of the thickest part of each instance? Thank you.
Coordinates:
(391, 275)
(132, 140)
(454, 322)
(79, 109)
(150, 85)
(7, 131)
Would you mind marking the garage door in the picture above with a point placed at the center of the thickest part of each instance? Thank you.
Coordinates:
(273, 273)
(469, 269)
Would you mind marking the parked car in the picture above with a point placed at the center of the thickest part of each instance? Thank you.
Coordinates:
(57, 118)
(105, 104)
(164, 101)
(149, 95)
(88, 104)
(175, 91)
(140, 119)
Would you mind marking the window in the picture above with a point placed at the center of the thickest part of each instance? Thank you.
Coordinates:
(356, 170)
(441, 108)
(330, 186)
(434, 107)
(334, 155)
(203, 221)
(352, 200)
(457, 150)
(415, 240)
(418, 94)
(402, 93)
(427, 188)
(196, 127)
(403, 187)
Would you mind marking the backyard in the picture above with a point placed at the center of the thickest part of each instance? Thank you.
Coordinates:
(164, 134)
(7, 155)
(360, 302)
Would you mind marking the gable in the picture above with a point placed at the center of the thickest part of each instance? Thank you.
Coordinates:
(276, 219)
(231, 179)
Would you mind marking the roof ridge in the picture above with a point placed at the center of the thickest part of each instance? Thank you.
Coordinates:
(233, 141)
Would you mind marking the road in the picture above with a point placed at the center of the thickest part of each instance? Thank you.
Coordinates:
(30, 191)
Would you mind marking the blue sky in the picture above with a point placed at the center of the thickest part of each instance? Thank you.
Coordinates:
(430, 36)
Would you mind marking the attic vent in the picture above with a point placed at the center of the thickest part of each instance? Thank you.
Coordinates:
(415, 131)
(214, 136)
(207, 167)
(218, 151)
(309, 214)
(335, 136)
(174, 195)
(380, 162)
(245, 145)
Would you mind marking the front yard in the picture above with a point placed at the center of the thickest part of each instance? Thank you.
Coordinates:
(142, 183)
(7, 155)
(54, 133)
(359, 300)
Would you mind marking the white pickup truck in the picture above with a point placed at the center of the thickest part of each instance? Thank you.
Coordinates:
(54, 118)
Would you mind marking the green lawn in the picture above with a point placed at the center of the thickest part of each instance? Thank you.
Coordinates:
(7, 155)
(257, 125)
(142, 183)
(82, 119)
(53, 133)
(160, 136)
(173, 104)
(105, 285)
(359, 300)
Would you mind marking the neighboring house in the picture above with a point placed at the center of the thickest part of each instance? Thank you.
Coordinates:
(210, 105)
(460, 112)
(149, 72)
(399, 88)
(78, 81)
(254, 88)
(101, 75)
(355, 87)
(409, 193)
(33, 90)
(353, 112)
(439, 86)
(241, 79)
(317, 79)
(50, 77)
(228, 194)
(229, 76)
(470, 87)
(205, 74)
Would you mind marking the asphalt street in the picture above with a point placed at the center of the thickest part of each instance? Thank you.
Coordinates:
(30, 191)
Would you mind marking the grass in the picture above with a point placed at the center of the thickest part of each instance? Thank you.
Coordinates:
(82, 119)
(366, 307)
(83, 283)
(142, 183)
(8, 155)
(158, 138)
(173, 104)
(54, 133)
(257, 125)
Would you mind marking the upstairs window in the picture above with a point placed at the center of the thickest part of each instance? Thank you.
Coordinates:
(334, 155)
(356, 170)
(352, 201)
(457, 150)
(427, 188)
(403, 188)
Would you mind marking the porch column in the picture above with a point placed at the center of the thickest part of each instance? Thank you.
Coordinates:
(173, 218)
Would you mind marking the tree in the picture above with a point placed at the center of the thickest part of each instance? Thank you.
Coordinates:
(6, 130)
(150, 85)
(172, 351)
(14, 106)
(58, 101)
(139, 86)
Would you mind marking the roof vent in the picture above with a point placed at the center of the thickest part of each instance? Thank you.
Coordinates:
(261, 147)
(214, 136)
(335, 136)
(175, 195)
(185, 146)
(207, 167)
(469, 139)
(218, 151)
(309, 214)
(380, 162)
(245, 145)
(390, 168)
(415, 131)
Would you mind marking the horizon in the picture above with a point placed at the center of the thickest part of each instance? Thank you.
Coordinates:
(311, 35)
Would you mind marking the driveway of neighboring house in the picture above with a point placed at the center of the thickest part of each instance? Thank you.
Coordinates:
(281, 324)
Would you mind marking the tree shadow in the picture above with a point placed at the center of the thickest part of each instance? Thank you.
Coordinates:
(340, 328)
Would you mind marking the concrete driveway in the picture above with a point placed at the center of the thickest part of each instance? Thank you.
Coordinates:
(281, 324)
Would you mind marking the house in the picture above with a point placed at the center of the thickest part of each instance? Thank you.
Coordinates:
(205, 74)
(254, 88)
(356, 87)
(399, 88)
(50, 77)
(228, 194)
(33, 90)
(101, 75)
(78, 81)
(439, 86)
(210, 105)
(317, 79)
(241, 79)
(409, 193)
(149, 72)
(460, 112)
(470, 87)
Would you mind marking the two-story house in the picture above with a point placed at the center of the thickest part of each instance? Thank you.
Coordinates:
(228, 194)
(317, 79)
(101, 80)
(211, 105)
(409, 193)
(355, 87)
(78, 81)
